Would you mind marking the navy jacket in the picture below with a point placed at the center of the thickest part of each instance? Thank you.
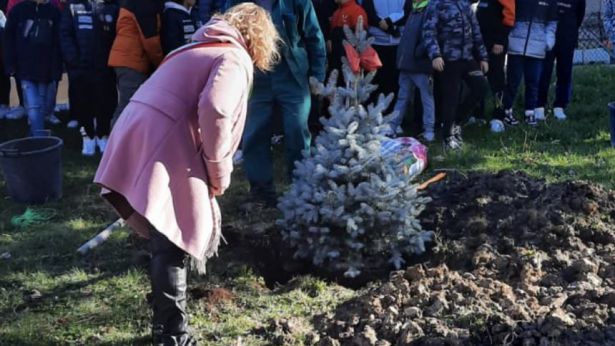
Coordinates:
(496, 18)
(178, 26)
(411, 52)
(32, 47)
(570, 14)
(87, 31)
(451, 31)
(535, 25)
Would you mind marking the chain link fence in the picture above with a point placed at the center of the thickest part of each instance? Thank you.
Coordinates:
(592, 42)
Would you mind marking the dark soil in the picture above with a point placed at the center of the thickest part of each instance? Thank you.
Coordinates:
(517, 262)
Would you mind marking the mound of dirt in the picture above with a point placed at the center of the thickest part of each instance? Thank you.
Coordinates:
(517, 262)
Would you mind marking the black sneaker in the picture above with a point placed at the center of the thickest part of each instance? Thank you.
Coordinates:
(499, 113)
(530, 118)
(456, 132)
(452, 144)
(509, 118)
(264, 194)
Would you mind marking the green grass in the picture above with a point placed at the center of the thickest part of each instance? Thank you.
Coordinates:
(100, 299)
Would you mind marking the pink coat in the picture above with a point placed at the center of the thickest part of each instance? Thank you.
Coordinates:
(176, 139)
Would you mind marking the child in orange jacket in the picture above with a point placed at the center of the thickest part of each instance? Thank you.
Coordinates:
(348, 13)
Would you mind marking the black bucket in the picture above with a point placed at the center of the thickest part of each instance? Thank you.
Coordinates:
(32, 168)
(612, 122)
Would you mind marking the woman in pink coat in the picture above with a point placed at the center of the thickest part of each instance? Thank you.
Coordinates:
(170, 153)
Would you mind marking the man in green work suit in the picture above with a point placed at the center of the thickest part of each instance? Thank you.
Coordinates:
(287, 89)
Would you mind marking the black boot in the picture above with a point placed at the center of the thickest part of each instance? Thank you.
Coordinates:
(264, 193)
(168, 270)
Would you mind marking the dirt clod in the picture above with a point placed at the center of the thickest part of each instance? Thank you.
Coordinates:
(517, 262)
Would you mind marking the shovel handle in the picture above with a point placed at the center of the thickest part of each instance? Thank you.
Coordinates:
(436, 178)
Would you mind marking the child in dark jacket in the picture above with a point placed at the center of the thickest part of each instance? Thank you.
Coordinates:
(455, 46)
(415, 71)
(386, 19)
(87, 31)
(136, 50)
(32, 55)
(532, 36)
(178, 24)
(570, 18)
(496, 18)
(348, 14)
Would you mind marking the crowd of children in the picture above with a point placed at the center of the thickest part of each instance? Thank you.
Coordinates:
(442, 56)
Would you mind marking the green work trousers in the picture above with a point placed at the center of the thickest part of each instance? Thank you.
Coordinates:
(275, 90)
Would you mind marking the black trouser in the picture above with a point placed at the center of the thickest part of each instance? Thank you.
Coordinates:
(497, 81)
(449, 87)
(5, 88)
(563, 90)
(93, 100)
(387, 77)
(168, 272)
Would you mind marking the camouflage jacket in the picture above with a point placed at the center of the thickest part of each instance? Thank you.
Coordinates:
(451, 32)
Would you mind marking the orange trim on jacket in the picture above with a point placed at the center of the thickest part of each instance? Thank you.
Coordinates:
(131, 48)
(508, 12)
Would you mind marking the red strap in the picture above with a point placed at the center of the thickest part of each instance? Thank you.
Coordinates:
(193, 46)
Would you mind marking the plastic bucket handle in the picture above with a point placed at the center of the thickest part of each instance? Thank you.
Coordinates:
(12, 152)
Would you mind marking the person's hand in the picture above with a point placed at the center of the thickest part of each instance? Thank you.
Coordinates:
(484, 66)
(497, 49)
(329, 47)
(438, 64)
(608, 44)
(383, 25)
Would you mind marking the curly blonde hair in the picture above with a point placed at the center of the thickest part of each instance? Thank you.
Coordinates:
(260, 35)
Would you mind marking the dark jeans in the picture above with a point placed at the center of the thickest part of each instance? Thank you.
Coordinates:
(449, 83)
(387, 77)
(128, 82)
(93, 99)
(563, 89)
(497, 81)
(5, 89)
(519, 68)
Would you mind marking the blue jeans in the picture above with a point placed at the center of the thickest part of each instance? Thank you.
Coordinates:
(519, 68)
(39, 100)
(407, 83)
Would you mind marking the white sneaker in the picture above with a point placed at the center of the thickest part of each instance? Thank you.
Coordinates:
(16, 113)
(559, 114)
(530, 118)
(429, 136)
(73, 124)
(539, 114)
(89, 146)
(388, 131)
(497, 126)
(53, 119)
(452, 144)
(101, 143)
